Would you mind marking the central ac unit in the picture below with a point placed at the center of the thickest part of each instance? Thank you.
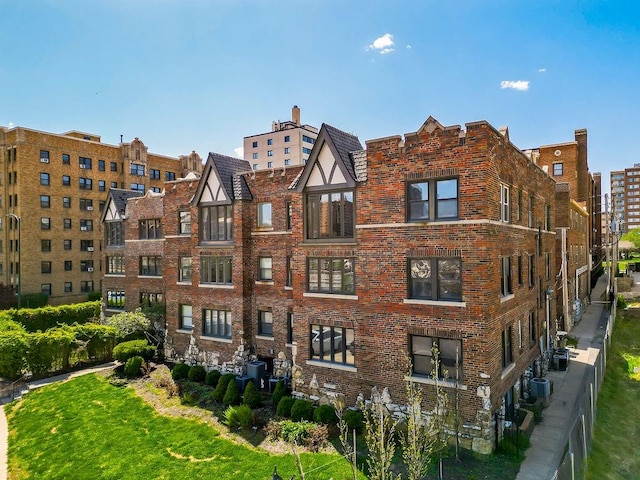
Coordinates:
(90, 269)
(44, 160)
(89, 249)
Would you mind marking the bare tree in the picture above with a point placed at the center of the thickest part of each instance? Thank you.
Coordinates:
(348, 450)
(416, 441)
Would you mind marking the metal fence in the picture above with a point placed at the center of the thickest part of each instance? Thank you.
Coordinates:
(573, 463)
(10, 391)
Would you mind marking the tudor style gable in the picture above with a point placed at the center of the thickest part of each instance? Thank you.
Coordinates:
(328, 183)
(219, 186)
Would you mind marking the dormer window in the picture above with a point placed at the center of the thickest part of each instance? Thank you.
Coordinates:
(330, 215)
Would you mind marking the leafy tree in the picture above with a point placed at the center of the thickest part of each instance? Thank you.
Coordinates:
(415, 441)
(633, 236)
(130, 325)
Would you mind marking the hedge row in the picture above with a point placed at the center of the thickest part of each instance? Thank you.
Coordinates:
(54, 350)
(44, 318)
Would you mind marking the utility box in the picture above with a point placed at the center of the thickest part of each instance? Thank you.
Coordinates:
(540, 387)
(257, 370)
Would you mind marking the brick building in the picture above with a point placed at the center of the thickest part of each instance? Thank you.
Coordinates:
(56, 185)
(338, 272)
(578, 224)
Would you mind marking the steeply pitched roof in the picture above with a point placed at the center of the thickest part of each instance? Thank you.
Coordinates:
(119, 197)
(346, 149)
(226, 169)
(345, 143)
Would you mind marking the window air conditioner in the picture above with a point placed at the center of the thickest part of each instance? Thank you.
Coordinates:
(44, 160)
(89, 208)
(82, 165)
(89, 249)
(90, 269)
(84, 229)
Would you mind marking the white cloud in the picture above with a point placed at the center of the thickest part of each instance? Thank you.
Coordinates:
(408, 47)
(521, 85)
(239, 151)
(383, 44)
(542, 70)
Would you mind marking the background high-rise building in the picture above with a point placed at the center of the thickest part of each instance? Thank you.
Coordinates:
(52, 190)
(288, 143)
(625, 198)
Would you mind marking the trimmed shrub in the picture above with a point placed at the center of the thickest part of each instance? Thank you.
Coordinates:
(97, 341)
(284, 407)
(133, 348)
(197, 373)
(221, 388)
(212, 378)
(13, 349)
(302, 410)
(34, 300)
(180, 371)
(133, 366)
(161, 378)
(232, 394)
(354, 420)
(278, 392)
(94, 296)
(42, 319)
(238, 417)
(49, 351)
(252, 397)
(325, 414)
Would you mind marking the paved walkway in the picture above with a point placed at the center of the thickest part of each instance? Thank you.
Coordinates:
(550, 437)
(4, 431)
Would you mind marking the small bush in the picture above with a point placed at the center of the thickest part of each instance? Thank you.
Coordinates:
(212, 378)
(133, 348)
(180, 371)
(238, 417)
(284, 407)
(197, 373)
(221, 388)
(302, 410)
(621, 302)
(513, 445)
(325, 414)
(232, 394)
(161, 378)
(305, 433)
(278, 392)
(252, 397)
(191, 393)
(133, 366)
(354, 420)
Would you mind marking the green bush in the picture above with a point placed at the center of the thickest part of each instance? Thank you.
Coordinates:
(238, 417)
(312, 435)
(621, 302)
(252, 397)
(221, 388)
(49, 351)
(325, 414)
(133, 348)
(34, 300)
(197, 373)
(191, 393)
(212, 378)
(180, 371)
(278, 392)
(354, 420)
(98, 341)
(284, 407)
(232, 394)
(513, 445)
(94, 296)
(44, 318)
(13, 350)
(302, 410)
(133, 367)
(130, 325)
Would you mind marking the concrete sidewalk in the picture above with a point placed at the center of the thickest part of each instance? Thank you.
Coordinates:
(550, 437)
(4, 430)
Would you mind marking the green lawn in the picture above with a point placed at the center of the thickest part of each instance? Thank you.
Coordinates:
(614, 452)
(90, 429)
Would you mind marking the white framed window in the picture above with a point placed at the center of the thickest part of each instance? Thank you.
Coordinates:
(264, 215)
(504, 203)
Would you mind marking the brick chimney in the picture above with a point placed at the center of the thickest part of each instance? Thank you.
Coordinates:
(295, 115)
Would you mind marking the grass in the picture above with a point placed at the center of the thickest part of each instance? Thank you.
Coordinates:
(91, 427)
(614, 450)
(88, 428)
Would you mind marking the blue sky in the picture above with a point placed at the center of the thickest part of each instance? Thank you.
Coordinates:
(200, 75)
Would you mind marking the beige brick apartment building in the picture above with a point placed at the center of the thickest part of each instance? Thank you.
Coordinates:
(56, 185)
(335, 273)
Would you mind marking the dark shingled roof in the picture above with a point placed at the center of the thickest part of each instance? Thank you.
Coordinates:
(227, 168)
(121, 196)
(345, 143)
